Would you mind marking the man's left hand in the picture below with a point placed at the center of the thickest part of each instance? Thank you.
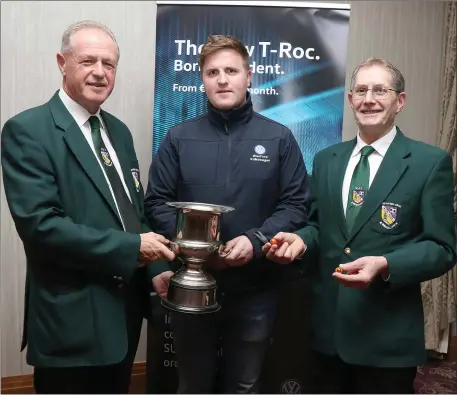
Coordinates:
(360, 273)
(239, 251)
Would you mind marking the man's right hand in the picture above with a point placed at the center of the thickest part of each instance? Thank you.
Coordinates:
(154, 247)
(288, 247)
(160, 283)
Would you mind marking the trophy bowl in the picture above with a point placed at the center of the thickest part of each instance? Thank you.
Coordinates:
(191, 289)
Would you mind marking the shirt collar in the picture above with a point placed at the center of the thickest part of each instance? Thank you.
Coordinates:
(78, 112)
(381, 145)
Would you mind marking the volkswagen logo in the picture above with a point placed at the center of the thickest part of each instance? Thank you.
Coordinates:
(291, 387)
(259, 149)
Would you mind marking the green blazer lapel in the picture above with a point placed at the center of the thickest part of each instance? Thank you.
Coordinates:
(124, 159)
(337, 169)
(389, 173)
(81, 149)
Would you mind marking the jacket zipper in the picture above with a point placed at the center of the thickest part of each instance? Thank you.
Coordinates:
(227, 181)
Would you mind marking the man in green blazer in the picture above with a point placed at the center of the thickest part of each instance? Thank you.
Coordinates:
(73, 188)
(381, 213)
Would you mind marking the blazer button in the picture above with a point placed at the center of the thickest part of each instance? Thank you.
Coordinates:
(347, 250)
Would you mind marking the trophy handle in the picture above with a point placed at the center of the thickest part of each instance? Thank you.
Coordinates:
(221, 253)
(173, 247)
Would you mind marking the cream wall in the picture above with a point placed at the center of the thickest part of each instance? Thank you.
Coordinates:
(407, 33)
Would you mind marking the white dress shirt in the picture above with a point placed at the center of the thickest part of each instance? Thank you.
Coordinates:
(381, 146)
(81, 116)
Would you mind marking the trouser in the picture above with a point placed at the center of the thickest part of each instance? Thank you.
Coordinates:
(331, 375)
(244, 325)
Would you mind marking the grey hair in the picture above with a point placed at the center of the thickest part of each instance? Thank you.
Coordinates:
(398, 80)
(75, 27)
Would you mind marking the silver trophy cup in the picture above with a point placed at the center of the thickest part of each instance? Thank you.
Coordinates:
(191, 289)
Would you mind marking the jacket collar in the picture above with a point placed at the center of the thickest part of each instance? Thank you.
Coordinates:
(235, 116)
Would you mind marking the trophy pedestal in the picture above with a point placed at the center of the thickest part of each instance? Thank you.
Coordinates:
(191, 290)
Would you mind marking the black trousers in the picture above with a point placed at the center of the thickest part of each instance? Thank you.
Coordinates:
(331, 375)
(109, 379)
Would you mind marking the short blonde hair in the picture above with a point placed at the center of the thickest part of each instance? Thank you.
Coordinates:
(217, 42)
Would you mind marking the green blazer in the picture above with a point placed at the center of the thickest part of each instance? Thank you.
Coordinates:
(383, 325)
(74, 242)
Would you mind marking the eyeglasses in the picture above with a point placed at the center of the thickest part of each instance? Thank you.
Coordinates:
(378, 92)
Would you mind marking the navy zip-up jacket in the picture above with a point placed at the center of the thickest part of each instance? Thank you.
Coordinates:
(236, 158)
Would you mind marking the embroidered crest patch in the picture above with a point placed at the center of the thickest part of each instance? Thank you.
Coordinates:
(106, 158)
(136, 178)
(358, 196)
(389, 215)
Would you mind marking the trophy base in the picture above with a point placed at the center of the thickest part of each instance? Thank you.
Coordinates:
(191, 291)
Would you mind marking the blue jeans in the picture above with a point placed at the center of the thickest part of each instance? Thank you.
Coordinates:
(244, 324)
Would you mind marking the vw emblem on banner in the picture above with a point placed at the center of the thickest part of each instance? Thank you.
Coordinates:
(291, 386)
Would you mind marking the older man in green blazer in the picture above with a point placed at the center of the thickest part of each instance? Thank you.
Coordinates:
(381, 214)
(73, 188)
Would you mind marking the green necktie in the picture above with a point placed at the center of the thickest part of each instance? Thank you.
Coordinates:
(126, 209)
(359, 186)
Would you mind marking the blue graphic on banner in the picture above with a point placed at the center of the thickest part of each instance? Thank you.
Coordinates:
(297, 59)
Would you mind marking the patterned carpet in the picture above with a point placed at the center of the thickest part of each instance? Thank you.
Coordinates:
(437, 377)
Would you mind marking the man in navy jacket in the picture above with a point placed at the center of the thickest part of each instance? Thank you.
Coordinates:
(230, 156)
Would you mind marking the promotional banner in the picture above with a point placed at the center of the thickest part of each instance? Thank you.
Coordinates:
(298, 63)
